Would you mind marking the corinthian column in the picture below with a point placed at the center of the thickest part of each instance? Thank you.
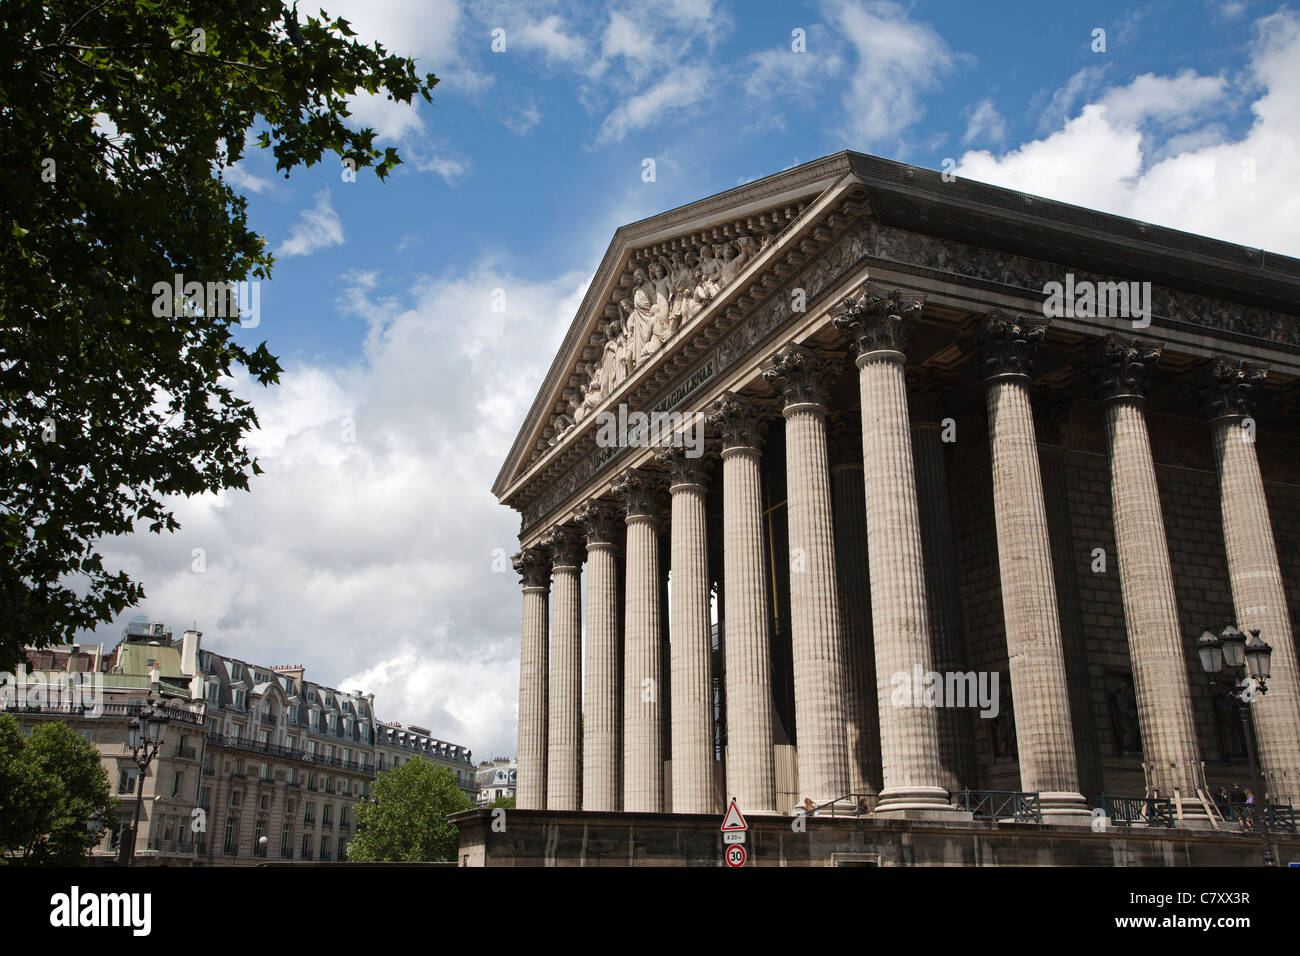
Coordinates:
(802, 377)
(909, 737)
(747, 639)
(600, 724)
(1257, 592)
(942, 587)
(534, 567)
(862, 726)
(643, 745)
(565, 702)
(691, 710)
(1005, 345)
(1155, 640)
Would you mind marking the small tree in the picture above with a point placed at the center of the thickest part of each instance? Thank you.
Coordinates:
(50, 784)
(405, 818)
(502, 803)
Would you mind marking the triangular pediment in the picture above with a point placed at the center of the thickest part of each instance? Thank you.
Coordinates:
(658, 277)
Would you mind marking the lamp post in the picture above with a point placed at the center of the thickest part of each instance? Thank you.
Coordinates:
(95, 827)
(1245, 663)
(144, 735)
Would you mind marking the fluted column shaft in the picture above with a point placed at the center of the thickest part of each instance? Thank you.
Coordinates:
(1155, 640)
(692, 697)
(802, 377)
(643, 747)
(909, 735)
(943, 596)
(747, 639)
(1034, 649)
(862, 726)
(873, 322)
(530, 790)
(814, 609)
(565, 687)
(601, 729)
(1259, 600)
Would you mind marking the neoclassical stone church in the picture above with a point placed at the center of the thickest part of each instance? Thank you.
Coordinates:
(947, 429)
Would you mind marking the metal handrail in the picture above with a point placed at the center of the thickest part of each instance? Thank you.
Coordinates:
(1136, 811)
(1021, 806)
(837, 810)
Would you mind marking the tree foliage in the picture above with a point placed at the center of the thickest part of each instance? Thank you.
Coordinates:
(50, 784)
(119, 118)
(405, 818)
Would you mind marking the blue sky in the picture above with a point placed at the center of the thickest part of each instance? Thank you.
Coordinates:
(366, 552)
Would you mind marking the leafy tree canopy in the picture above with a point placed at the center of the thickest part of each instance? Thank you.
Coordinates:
(405, 818)
(50, 784)
(118, 120)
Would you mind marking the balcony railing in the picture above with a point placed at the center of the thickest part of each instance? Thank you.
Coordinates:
(1277, 816)
(185, 753)
(1003, 805)
(102, 712)
(1136, 811)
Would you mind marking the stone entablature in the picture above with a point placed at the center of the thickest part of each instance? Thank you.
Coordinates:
(739, 329)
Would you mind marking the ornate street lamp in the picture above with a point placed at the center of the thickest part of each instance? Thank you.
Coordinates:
(144, 735)
(1245, 662)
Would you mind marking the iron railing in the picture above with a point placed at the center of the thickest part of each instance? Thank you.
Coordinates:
(1136, 811)
(102, 711)
(1277, 816)
(1016, 805)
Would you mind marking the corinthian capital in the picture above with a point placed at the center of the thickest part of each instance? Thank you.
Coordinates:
(598, 521)
(872, 319)
(534, 567)
(565, 546)
(1228, 388)
(640, 493)
(738, 419)
(802, 375)
(1004, 343)
(682, 467)
(1120, 367)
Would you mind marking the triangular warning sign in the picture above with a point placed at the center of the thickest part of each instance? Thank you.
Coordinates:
(733, 820)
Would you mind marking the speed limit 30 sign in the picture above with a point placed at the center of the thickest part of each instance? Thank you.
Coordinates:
(736, 855)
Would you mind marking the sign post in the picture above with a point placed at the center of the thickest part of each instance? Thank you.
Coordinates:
(734, 828)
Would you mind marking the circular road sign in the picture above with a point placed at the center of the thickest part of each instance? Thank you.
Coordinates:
(735, 855)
